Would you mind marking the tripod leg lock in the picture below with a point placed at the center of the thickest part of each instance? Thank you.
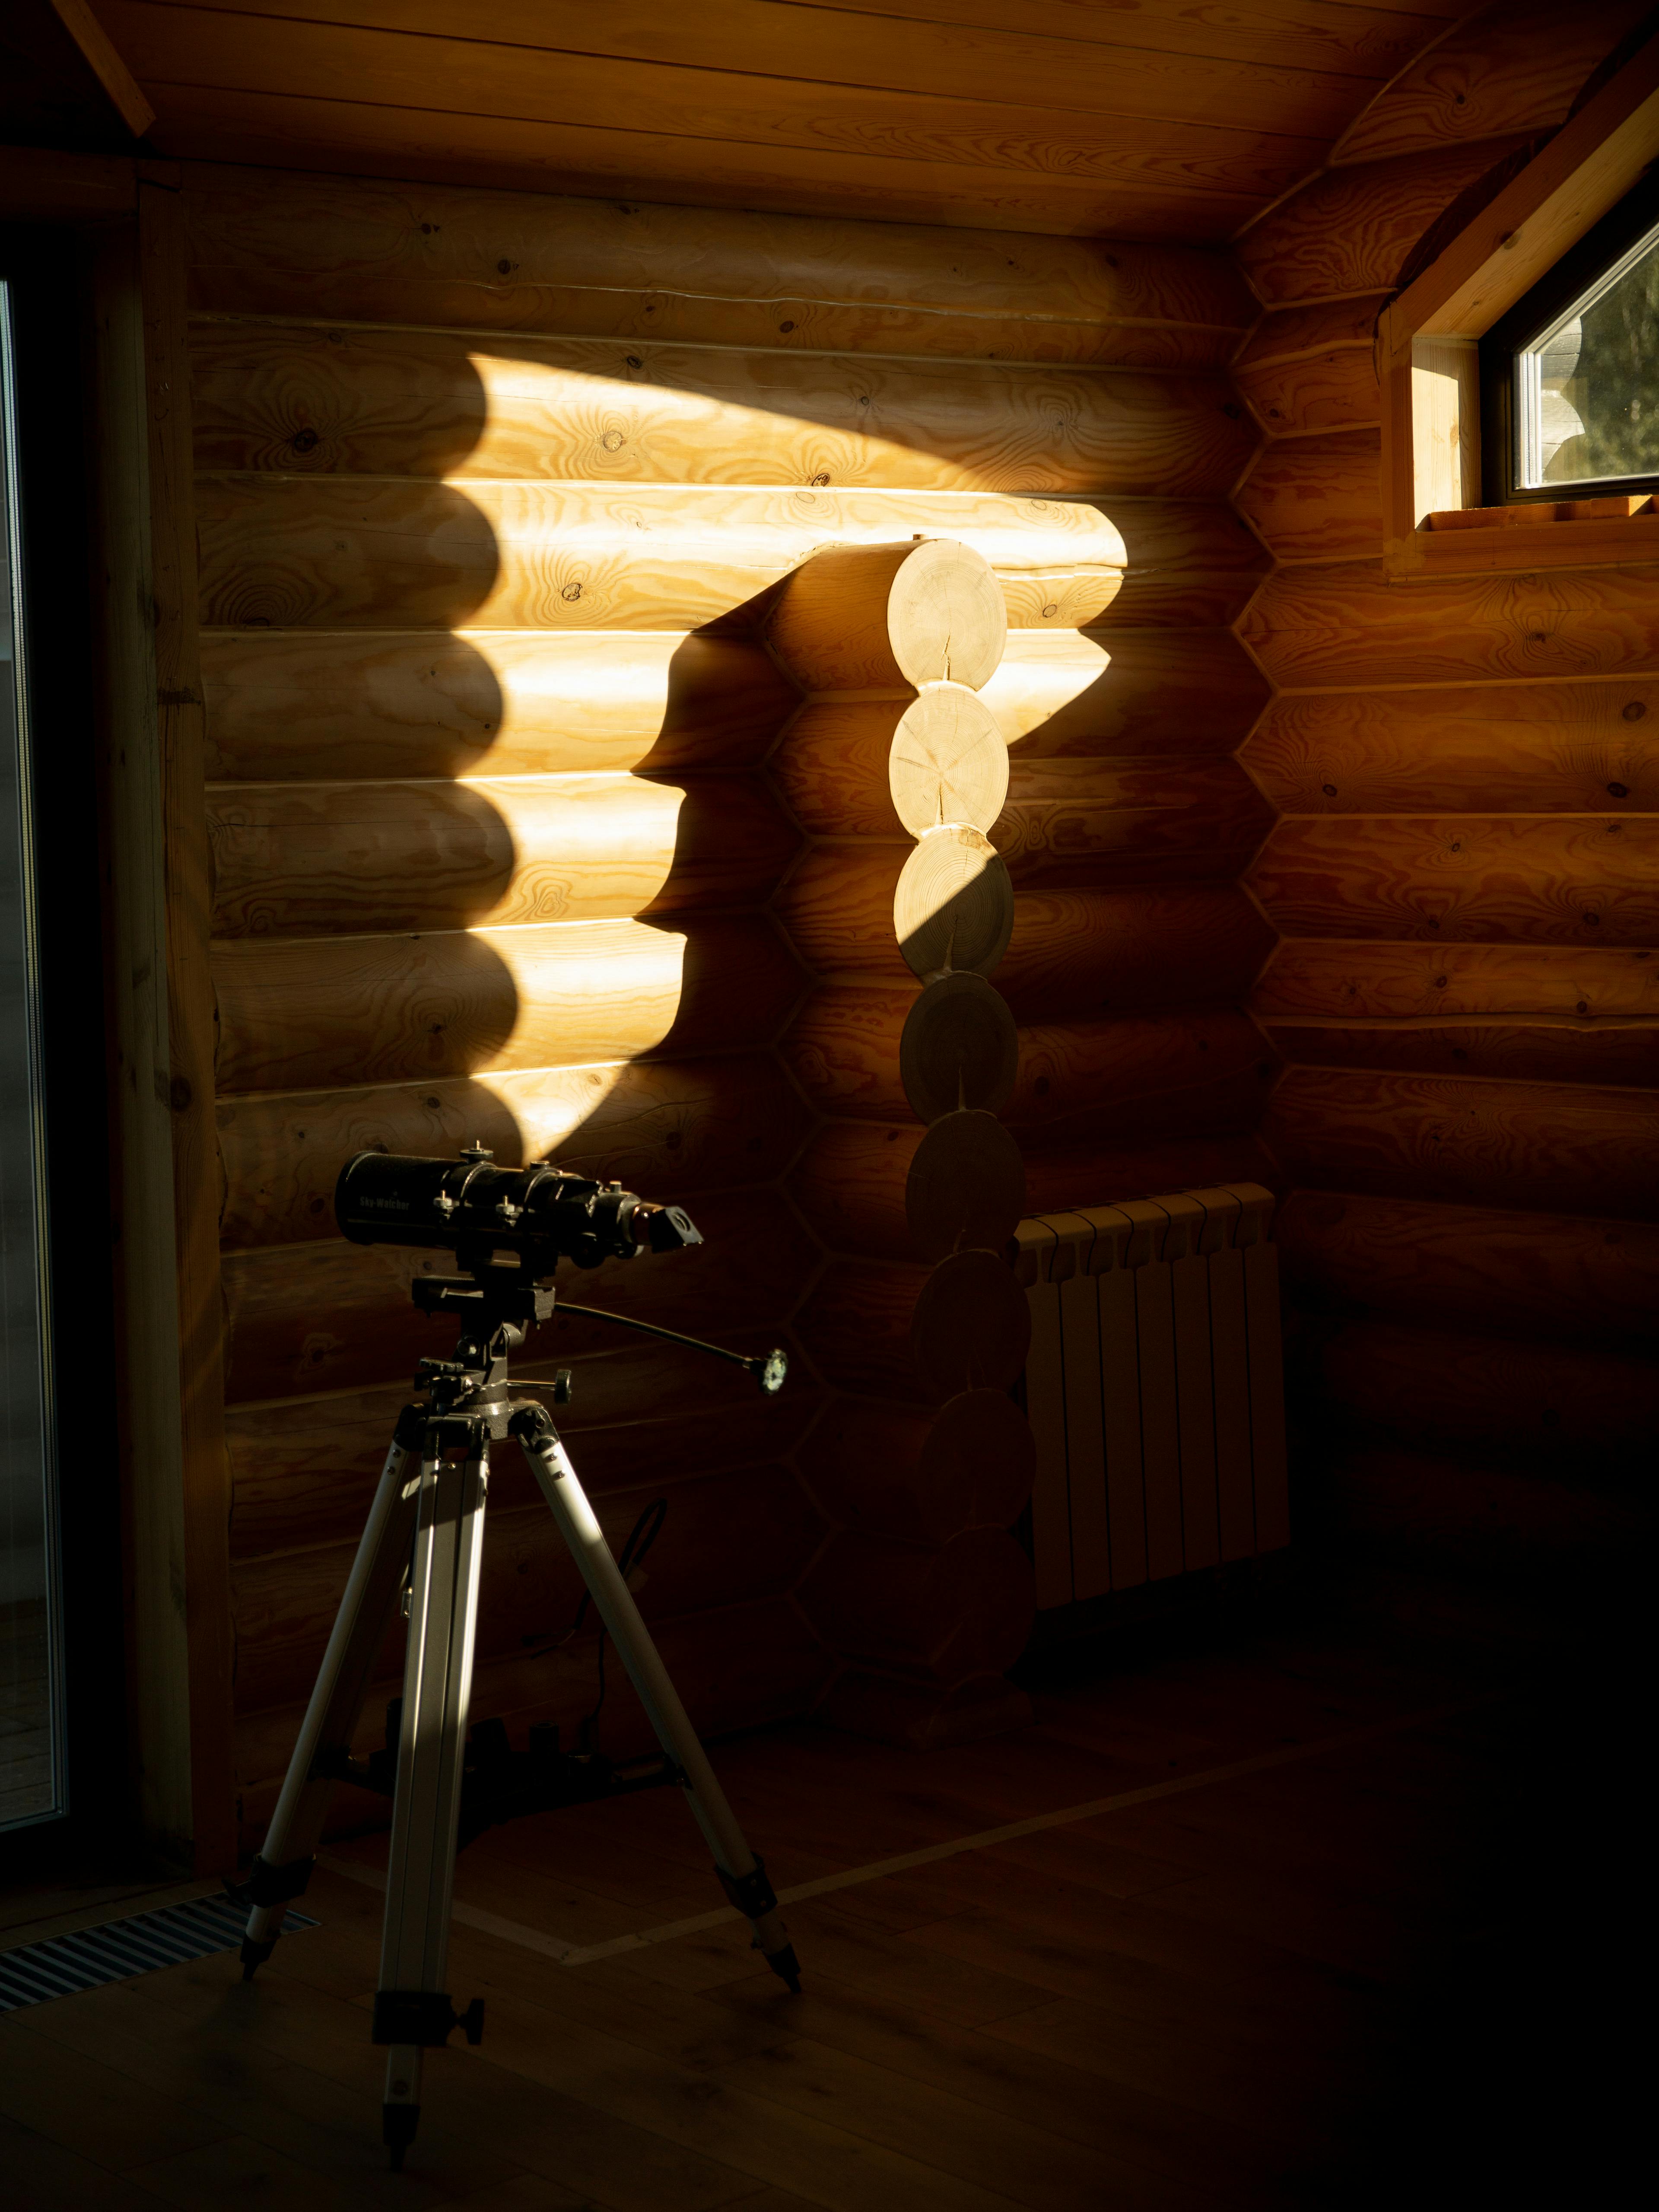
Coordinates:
(423, 2017)
(271, 1885)
(752, 1893)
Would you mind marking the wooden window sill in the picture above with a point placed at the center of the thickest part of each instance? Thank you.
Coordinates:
(1488, 541)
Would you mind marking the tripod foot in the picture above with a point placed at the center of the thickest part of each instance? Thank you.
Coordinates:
(398, 2126)
(785, 1964)
(253, 1955)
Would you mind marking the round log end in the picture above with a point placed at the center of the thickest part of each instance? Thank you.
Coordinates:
(948, 761)
(958, 1047)
(972, 1326)
(953, 905)
(980, 1454)
(946, 616)
(966, 1185)
(881, 618)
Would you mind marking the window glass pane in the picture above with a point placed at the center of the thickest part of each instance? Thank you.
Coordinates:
(31, 1673)
(1588, 390)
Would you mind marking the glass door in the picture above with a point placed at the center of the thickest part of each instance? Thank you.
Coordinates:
(33, 1786)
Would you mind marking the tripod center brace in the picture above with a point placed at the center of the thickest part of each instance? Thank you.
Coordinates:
(425, 1534)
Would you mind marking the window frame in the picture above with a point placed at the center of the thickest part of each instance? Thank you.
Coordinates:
(1573, 275)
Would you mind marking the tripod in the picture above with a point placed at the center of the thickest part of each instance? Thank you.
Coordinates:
(424, 1535)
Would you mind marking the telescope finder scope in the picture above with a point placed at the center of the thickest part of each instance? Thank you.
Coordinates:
(477, 1209)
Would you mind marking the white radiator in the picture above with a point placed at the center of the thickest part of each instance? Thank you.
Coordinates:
(1155, 1388)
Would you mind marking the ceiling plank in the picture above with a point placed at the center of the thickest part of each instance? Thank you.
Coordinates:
(227, 52)
(290, 131)
(839, 46)
(1331, 34)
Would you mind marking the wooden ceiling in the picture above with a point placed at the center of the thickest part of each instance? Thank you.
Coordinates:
(1136, 119)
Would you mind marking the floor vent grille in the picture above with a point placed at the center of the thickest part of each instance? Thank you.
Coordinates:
(117, 1949)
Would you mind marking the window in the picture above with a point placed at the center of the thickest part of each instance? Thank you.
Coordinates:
(31, 1702)
(1569, 377)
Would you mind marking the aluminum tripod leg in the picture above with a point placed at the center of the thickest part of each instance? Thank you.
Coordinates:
(742, 1875)
(283, 1866)
(412, 2008)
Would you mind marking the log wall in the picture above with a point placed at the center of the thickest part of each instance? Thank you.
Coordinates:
(1464, 873)
(494, 500)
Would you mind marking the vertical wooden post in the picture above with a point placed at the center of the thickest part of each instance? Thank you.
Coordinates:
(167, 1263)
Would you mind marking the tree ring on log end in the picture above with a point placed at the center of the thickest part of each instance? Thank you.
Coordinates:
(966, 1187)
(958, 1047)
(948, 761)
(953, 907)
(972, 1326)
(882, 618)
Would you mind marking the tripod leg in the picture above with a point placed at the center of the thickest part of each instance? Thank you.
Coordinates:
(283, 1866)
(412, 2010)
(742, 1875)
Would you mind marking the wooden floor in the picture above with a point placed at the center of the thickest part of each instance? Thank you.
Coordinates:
(1348, 1974)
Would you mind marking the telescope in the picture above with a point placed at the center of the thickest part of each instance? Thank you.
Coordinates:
(540, 1214)
(509, 1228)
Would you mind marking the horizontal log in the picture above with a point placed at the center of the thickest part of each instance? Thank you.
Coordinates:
(326, 1012)
(1318, 498)
(867, 768)
(836, 908)
(1191, 564)
(1346, 627)
(971, 1327)
(1313, 368)
(1565, 1278)
(964, 1608)
(886, 616)
(329, 859)
(892, 1471)
(329, 1315)
(1352, 980)
(1577, 1411)
(1354, 229)
(902, 1193)
(953, 905)
(530, 1587)
(1530, 748)
(364, 250)
(309, 709)
(1304, 331)
(1519, 72)
(1085, 952)
(1072, 822)
(1559, 879)
(1138, 1077)
(1057, 1182)
(1128, 691)
(413, 402)
(1565, 1148)
(855, 1329)
(662, 1128)
(735, 1667)
(1562, 1049)
(291, 551)
(863, 1050)
(303, 1470)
